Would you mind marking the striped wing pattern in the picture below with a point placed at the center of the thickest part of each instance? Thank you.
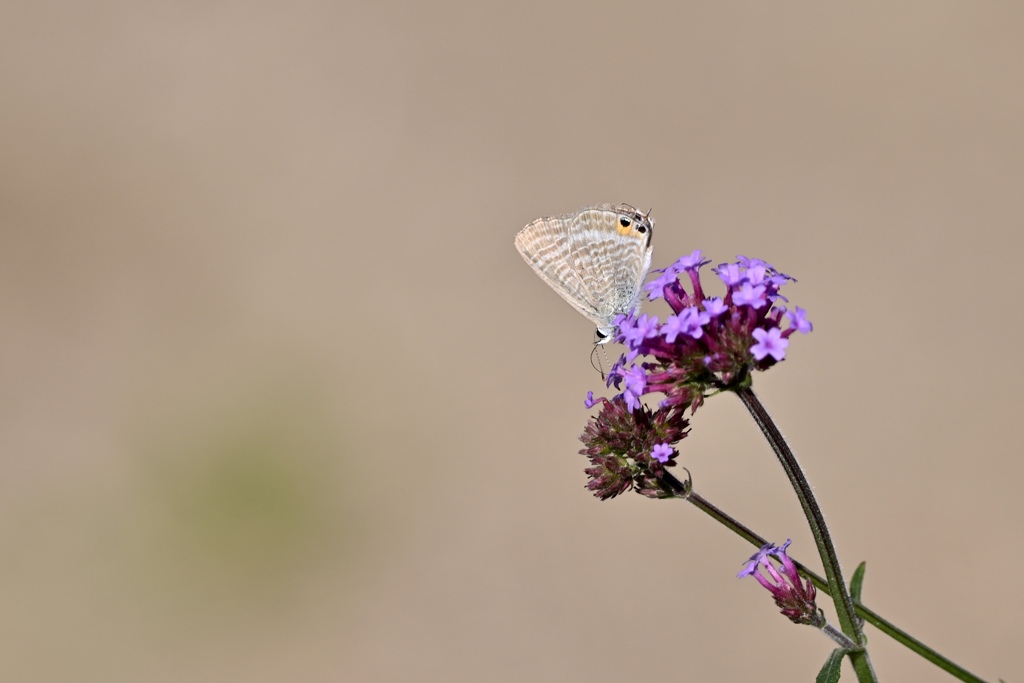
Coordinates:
(592, 260)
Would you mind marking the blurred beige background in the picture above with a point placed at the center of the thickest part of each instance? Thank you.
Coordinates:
(280, 401)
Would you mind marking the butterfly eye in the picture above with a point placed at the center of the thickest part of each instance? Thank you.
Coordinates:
(624, 222)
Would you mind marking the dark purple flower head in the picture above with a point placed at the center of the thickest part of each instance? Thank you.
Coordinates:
(793, 595)
(708, 344)
(631, 448)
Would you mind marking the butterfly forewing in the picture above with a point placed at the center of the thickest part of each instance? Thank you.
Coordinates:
(544, 245)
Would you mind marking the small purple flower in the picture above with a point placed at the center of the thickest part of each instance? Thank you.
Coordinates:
(715, 307)
(696, 319)
(623, 323)
(646, 327)
(692, 262)
(749, 295)
(656, 288)
(662, 452)
(672, 328)
(615, 374)
(730, 274)
(798, 320)
(769, 343)
(689, 323)
(760, 557)
(756, 274)
(794, 597)
(635, 381)
(753, 262)
(591, 401)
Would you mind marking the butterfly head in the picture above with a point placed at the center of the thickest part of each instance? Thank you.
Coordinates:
(634, 223)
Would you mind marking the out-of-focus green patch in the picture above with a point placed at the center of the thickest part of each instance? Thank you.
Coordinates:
(241, 506)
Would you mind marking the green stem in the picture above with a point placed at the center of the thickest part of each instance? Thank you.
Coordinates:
(869, 615)
(845, 610)
(901, 636)
(838, 637)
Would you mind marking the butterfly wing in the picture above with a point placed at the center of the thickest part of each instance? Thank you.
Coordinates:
(596, 259)
(545, 245)
(611, 249)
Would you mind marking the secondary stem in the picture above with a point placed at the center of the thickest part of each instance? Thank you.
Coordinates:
(885, 626)
(845, 610)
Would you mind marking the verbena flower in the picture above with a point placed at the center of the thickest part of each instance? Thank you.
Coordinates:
(793, 595)
(631, 447)
(708, 344)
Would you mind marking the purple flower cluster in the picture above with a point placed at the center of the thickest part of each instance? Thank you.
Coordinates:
(794, 597)
(631, 448)
(708, 343)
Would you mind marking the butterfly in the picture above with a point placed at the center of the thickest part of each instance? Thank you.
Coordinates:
(596, 259)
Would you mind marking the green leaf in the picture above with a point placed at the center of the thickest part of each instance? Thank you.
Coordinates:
(830, 672)
(857, 582)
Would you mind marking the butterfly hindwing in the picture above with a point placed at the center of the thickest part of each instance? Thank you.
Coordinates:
(612, 258)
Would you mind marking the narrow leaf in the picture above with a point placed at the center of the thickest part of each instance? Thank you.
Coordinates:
(830, 672)
(857, 582)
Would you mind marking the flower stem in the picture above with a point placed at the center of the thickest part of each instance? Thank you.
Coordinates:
(845, 610)
(838, 637)
(686, 492)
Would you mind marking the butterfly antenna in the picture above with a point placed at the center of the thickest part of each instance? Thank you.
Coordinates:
(595, 361)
